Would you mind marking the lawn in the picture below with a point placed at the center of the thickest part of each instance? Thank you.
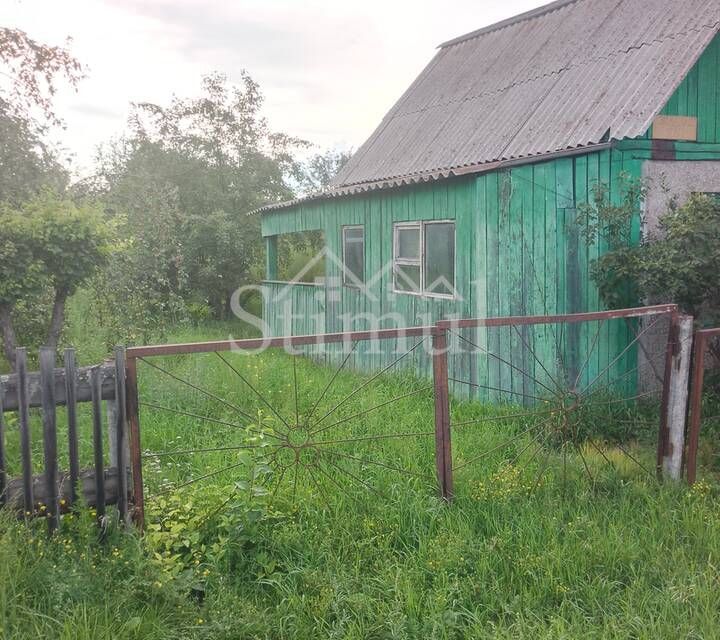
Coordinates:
(355, 544)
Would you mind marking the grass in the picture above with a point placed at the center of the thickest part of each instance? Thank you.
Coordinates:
(620, 557)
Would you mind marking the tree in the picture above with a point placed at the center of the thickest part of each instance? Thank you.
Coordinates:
(318, 172)
(47, 244)
(20, 273)
(29, 82)
(185, 178)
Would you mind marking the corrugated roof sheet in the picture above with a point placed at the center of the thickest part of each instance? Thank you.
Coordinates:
(572, 74)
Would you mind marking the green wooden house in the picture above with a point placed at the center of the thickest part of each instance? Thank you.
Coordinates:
(463, 201)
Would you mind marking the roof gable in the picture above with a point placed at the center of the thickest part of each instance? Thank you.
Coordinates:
(571, 74)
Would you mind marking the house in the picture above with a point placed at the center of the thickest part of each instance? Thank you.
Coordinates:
(463, 202)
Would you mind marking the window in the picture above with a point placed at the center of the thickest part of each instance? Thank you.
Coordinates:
(407, 262)
(424, 258)
(439, 245)
(353, 256)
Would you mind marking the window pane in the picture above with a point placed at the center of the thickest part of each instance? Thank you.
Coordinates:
(408, 243)
(354, 255)
(407, 278)
(440, 258)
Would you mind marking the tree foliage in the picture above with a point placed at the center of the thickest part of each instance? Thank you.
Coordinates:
(318, 172)
(28, 84)
(180, 186)
(49, 246)
(675, 263)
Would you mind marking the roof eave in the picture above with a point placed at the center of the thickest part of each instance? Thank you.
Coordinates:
(430, 176)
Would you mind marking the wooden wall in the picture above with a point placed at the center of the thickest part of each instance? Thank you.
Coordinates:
(699, 95)
(518, 252)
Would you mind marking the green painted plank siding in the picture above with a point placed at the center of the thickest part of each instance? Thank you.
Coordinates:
(699, 95)
(519, 251)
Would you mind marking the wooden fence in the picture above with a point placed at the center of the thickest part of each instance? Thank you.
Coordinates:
(56, 490)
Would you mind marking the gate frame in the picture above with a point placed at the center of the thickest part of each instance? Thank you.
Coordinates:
(669, 310)
(439, 350)
(439, 357)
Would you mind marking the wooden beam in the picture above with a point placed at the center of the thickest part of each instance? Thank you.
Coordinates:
(10, 387)
(15, 495)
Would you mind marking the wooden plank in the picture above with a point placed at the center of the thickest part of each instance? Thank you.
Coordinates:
(271, 258)
(121, 432)
(593, 304)
(49, 421)
(583, 258)
(133, 419)
(493, 183)
(675, 128)
(24, 421)
(87, 484)
(10, 382)
(96, 387)
(71, 404)
(3, 474)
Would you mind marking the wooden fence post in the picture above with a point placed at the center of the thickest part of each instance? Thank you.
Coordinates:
(443, 449)
(133, 421)
(49, 420)
(96, 393)
(678, 400)
(121, 433)
(71, 406)
(24, 420)
(663, 434)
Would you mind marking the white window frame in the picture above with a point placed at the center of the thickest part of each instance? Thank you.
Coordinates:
(350, 282)
(420, 261)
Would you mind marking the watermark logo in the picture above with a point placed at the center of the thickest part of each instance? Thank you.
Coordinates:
(387, 302)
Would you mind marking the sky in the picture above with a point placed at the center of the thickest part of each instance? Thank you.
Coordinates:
(329, 70)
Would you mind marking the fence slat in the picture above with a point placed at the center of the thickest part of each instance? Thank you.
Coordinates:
(3, 473)
(96, 392)
(24, 417)
(133, 422)
(71, 404)
(49, 420)
(121, 433)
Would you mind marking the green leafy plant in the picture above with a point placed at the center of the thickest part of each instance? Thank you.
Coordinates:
(47, 245)
(610, 221)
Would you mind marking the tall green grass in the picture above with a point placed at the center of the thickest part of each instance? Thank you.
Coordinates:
(329, 557)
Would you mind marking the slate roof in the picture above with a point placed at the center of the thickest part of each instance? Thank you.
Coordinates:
(569, 75)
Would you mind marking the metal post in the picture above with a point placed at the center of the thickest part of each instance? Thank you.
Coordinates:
(698, 379)
(443, 450)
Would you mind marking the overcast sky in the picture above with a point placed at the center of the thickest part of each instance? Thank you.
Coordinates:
(329, 69)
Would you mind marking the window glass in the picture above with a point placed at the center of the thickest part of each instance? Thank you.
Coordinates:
(439, 259)
(407, 278)
(408, 243)
(354, 255)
